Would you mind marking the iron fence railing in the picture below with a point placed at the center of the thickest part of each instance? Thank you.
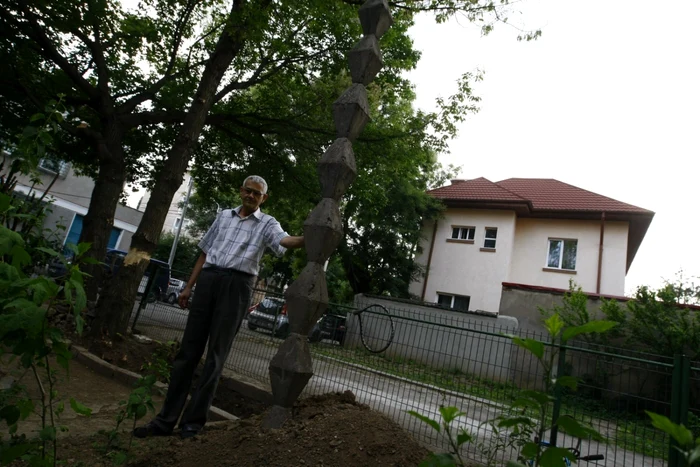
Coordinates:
(434, 357)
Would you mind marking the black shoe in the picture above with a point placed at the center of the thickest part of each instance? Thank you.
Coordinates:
(150, 429)
(190, 430)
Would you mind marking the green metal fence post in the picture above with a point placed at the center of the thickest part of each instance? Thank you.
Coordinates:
(680, 389)
(155, 270)
(557, 397)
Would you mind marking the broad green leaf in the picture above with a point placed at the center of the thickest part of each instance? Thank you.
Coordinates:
(79, 408)
(681, 434)
(83, 248)
(554, 457)
(464, 437)
(60, 407)
(514, 421)
(536, 347)
(450, 413)
(428, 420)
(554, 324)
(79, 324)
(694, 455)
(26, 407)
(590, 327)
(120, 458)
(540, 397)
(10, 413)
(12, 453)
(530, 450)
(141, 411)
(48, 433)
(439, 460)
(5, 202)
(567, 382)
(570, 425)
(37, 116)
(89, 260)
(20, 257)
(48, 251)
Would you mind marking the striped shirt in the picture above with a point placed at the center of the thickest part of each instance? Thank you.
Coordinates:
(239, 242)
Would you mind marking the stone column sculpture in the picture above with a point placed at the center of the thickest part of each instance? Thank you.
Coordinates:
(307, 297)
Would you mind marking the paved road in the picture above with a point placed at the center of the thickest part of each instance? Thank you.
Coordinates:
(252, 352)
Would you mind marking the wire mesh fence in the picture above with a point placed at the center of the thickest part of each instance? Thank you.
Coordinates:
(397, 356)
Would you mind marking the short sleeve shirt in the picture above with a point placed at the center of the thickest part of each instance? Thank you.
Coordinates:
(239, 243)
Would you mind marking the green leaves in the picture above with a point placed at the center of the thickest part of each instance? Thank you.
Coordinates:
(554, 457)
(588, 328)
(10, 413)
(449, 414)
(570, 425)
(535, 347)
(79, 408)
(681, 434)
(425, 419)
(570, 382)
(439, 460)
(554, 324)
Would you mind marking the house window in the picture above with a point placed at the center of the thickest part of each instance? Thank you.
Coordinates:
(463, 233)
(562, 254)
(490, 237)
(54, 166)
(455, 302)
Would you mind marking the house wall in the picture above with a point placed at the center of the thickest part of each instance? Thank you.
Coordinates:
(71, 195)
(532, 243)
(463, 268)
(174, 211)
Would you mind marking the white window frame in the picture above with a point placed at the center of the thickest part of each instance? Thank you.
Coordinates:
(462, 228)
(452, 301)
(561, 253)
(495, 239)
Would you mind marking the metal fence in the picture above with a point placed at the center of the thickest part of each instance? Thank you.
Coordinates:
(404, 357)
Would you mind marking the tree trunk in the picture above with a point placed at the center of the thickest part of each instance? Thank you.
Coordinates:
(114, 309)
(99, 220)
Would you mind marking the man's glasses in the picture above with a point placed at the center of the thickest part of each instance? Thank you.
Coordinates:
(250, 191)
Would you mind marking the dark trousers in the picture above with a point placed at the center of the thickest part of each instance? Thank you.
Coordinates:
(218, 306)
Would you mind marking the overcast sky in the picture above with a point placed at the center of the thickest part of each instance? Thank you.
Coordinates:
(607, 100)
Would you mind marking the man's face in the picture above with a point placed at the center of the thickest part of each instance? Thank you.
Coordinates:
(252, 196)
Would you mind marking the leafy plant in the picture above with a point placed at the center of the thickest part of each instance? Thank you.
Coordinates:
(448, 415)
(527, 419)
(26, 304)
(140, 402)
(159, 364)
(686, 445)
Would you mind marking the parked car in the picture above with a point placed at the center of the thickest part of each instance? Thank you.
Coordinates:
(271, 315)
(175, 286)
(330, 326)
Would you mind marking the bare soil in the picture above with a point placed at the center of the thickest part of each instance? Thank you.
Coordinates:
(329, 430)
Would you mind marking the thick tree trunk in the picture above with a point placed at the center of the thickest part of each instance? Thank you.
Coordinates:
(99, 220)
(115, 307)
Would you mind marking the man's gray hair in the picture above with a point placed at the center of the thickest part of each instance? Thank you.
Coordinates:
(256, 179)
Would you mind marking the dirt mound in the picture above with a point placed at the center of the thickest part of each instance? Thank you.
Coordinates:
(329, 430)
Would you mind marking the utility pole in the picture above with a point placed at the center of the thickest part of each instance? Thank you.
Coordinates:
(179, 227)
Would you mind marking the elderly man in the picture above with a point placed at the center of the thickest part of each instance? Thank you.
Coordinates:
(230, 260)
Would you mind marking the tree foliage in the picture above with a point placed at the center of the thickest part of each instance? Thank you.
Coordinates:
(142, 83)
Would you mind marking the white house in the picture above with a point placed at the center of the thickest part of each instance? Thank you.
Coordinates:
(538, 232)
(70, 196)
(174, 216)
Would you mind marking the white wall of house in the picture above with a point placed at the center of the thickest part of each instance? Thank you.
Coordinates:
(463, 267)
(174, 215)
(529, 261)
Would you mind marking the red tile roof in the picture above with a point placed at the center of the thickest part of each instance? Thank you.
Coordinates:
(543, 194)
(478, 189)
(547, 194)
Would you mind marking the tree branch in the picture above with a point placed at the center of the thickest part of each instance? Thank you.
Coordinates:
(151, 92)
(49, 50)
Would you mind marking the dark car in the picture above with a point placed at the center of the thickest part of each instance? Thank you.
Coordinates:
(270, 314)
(330, 326)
